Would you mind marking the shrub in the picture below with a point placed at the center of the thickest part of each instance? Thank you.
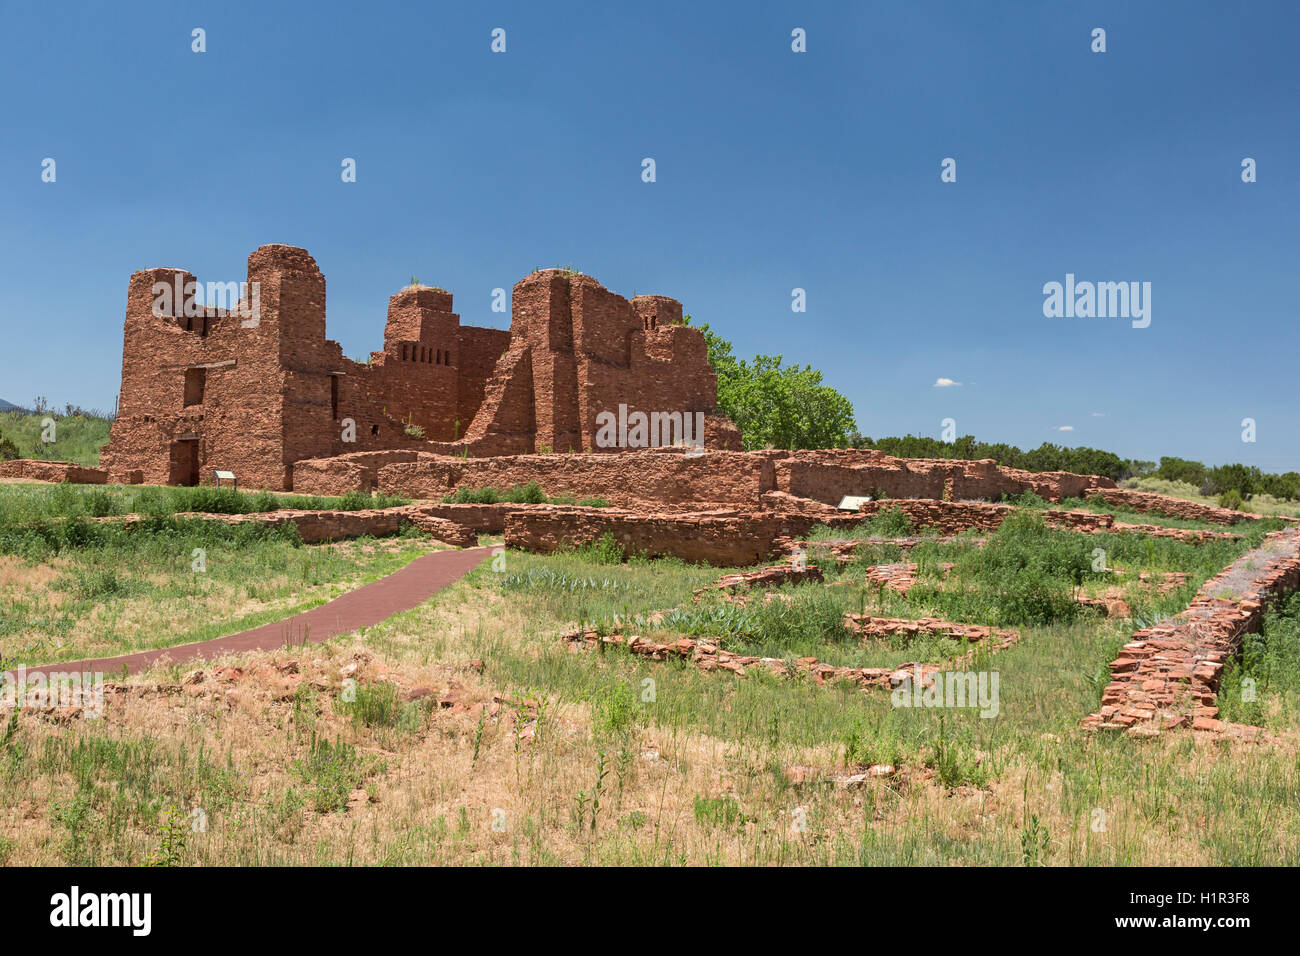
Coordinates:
(1028, 569)
(605, 550)
(331, 772)
(526, 494)
(1231, 499)
(889, 523)
(472, 496)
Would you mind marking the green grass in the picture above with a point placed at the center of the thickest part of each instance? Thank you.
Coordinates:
(331, 772)
(77, 438)
(21, 503)
(889, 522)
(1023, 788)
(119, 590)
(1064, 652)
(529, 493)
(1258, 503)
(1145, 793)
(1262, 687)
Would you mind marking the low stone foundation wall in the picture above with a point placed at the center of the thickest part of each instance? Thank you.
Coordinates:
(866, 626)
(653, 481)
(723, 539)
(828, 475)
(739, 539)
(316, 526)
(707, 656)
(485, 519)
(663, 480)
(35, 469)
(1168, 675)
(1172, 507)
(337, 476)
(781, 501)
(954, 517)
(330, 525)
(1190, 535)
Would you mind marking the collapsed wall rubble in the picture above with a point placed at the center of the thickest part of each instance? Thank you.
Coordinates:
(774, 576)
(899, 577)
(708, 656)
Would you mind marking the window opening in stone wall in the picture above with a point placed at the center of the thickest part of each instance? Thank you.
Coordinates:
(195, 380)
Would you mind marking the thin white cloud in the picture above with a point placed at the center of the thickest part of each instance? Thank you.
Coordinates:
(1098, 414)
(945, 383)
(1063, 428)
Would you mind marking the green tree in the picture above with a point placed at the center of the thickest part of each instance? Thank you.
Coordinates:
(776, 405)
(1180, 469)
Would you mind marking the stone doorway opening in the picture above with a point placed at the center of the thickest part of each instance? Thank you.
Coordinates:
(184, 462)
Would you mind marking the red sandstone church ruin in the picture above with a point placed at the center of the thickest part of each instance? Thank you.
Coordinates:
(259, 391)
(206, 389)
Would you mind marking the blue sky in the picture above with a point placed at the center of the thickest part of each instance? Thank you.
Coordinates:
(775, 170)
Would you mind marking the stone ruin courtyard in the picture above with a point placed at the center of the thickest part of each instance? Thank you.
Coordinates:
(596, 646)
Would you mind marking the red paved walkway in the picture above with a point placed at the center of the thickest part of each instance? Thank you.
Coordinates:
(367, 605)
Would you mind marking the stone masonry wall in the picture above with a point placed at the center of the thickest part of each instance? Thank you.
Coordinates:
(649, 480)
(35, 469)
(740, 539)
(1168, 675)
(723, 540)
(829, 475)
(954, 517)
(1173, 507)
(577, 350)
(257, 394)
(336, 476)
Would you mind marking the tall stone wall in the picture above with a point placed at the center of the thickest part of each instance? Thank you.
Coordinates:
(577, 350)
(257, 394)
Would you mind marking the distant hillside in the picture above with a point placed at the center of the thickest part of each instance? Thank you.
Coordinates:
(10, 407)
(77, 437)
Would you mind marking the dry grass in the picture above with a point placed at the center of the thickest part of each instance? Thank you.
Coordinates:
(497, 741)
(82, 605)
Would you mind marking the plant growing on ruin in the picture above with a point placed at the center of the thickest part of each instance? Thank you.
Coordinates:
(410, 428)
(1229, 499)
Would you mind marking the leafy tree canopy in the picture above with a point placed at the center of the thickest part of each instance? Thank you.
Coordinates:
(776, 405)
